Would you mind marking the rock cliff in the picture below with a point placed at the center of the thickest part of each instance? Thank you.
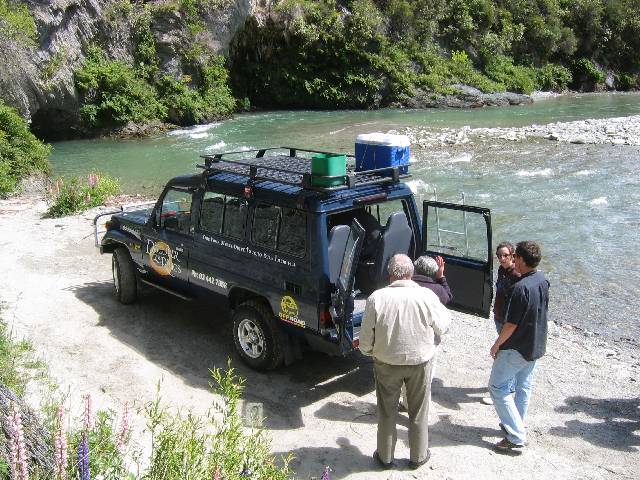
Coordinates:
(38, 78)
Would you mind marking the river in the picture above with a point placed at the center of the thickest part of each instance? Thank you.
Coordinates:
(580, 201)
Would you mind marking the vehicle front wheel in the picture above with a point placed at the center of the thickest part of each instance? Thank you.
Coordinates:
(255, 336)
(125, 281)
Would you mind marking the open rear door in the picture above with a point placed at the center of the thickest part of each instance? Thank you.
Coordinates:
(461, 234)
(344, 296)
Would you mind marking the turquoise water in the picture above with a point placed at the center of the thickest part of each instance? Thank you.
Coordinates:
(581, 202)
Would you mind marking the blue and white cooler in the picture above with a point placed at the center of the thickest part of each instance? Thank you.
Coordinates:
(380, 150)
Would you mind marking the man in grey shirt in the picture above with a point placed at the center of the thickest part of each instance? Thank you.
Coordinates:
(398, 329)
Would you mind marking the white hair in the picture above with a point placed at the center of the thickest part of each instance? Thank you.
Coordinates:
(400, 267)
(426, 266)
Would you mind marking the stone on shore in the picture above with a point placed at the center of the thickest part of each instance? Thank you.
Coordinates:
(611, 131)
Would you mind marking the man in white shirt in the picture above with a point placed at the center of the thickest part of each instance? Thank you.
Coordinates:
(398, 329)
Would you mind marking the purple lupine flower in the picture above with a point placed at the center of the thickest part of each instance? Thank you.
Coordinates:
(83, 458)
(325, 474)
(17, 448)
(123, 433)
(60, 447)
(88, 413)
(217, 475)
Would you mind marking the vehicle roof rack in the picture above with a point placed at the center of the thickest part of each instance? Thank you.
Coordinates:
(273, 165)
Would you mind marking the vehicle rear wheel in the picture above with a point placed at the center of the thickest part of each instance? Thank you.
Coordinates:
(125, 281)
(255, 336)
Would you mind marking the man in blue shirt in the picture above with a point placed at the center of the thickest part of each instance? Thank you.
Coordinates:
(522, 341)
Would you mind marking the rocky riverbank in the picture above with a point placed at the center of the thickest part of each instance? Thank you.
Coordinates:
(611, 131)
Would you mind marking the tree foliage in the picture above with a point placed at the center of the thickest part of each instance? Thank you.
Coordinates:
(21, 153)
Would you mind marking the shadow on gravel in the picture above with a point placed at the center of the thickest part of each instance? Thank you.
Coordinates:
(444, 433)
(309, 462)
(452, 397)
(618, 427)
(189, 338)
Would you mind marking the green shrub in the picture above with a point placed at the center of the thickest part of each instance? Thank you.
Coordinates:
(80, 194)
(188, 446)
(8, 183)
(584, 70)
(17, 23)
(17, 362)
(52, 67)
(21, 153)
(113, 94)
(145, 53)
(553, 77)
(187, 104)
(463, 71)
(215, 89)
(626, 81)
(515, 78)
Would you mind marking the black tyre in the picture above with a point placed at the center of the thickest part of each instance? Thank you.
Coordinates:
(255, 336)
(125, 281)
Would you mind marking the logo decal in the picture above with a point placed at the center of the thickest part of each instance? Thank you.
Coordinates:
(160, 258)
(289, 311)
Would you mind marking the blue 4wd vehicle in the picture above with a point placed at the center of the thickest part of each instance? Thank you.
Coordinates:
(295, 260)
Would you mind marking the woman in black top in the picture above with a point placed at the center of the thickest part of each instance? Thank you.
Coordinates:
(507, 277)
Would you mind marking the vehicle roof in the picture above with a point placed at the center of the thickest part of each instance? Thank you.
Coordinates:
(290, 195)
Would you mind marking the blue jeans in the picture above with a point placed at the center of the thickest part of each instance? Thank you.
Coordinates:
(511, 370)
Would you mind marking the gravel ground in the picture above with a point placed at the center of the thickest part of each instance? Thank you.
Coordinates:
(56, 290)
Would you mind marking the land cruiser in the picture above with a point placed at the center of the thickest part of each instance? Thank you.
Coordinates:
(295, 258)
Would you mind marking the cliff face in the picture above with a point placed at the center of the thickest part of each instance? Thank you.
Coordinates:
(38, 79)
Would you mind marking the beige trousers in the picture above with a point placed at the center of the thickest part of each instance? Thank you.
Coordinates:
(389, 381)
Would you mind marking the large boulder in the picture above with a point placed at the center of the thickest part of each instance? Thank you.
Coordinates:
(466, 97)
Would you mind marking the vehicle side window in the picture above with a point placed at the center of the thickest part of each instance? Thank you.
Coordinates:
(235, 214)
(211, 213)
(176, 211)
(282, 229)
(265, 225)
(293, 232)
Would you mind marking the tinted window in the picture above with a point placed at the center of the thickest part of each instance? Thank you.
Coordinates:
(283, 229)
(235, 214)
(293, 232)
(265, 225)
(211, 213)
(176, 211)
